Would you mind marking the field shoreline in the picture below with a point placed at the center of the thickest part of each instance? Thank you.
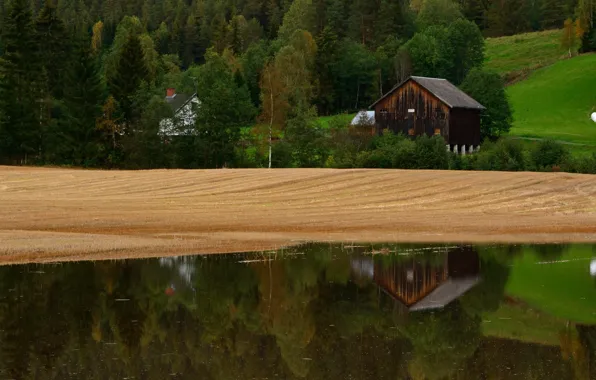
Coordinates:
(52, 215)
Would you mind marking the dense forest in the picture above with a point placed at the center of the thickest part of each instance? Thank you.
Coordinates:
(83, 82)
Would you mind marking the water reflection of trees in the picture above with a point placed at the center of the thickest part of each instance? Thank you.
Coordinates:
(303, 317)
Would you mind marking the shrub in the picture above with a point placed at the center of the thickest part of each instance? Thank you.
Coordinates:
(581, 164)
(549, 154)
(381, 158)
(404, 155)
(431, 153)
(505, 155)
(346, 143)
(281, 155)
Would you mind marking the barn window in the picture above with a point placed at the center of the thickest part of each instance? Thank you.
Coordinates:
(440, 115)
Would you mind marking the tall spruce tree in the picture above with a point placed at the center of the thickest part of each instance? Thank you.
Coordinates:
(131, 71)
(83, 96)
(52, 55)
(19, 87)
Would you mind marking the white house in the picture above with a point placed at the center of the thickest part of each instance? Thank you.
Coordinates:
(185, 108)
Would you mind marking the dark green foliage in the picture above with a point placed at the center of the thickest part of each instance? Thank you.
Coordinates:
(447, 52)
(53, 48)
(346, 143)
(438, 13)
(130, 73)
(549, 155)
(509, 17)
(489, 90)
(325, 61)
(400, 152)
(20, 87)
(253, 61)
(354, 76)
(282, 155)
(225, 108)
(465, 46)
(306, 139)
(552, 13)
(505, 155)
(428, 53)
(146, 148)
(77, 139)
(431, 153)
(581, 164)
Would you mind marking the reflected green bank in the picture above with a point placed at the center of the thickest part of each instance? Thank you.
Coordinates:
(314, 312)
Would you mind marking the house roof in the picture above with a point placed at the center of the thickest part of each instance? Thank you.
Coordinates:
(444, 90)
(178, 101)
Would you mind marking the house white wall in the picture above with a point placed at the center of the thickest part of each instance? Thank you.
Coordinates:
(183, 122)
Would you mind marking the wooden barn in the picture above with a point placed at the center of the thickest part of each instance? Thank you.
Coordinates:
(431, 106)
(417, 284)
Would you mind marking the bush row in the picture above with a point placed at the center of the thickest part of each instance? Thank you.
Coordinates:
(400, 152)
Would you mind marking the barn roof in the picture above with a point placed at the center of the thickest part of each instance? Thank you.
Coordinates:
(444, 90)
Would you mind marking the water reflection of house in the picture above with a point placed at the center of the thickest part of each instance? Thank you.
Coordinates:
(423, 283)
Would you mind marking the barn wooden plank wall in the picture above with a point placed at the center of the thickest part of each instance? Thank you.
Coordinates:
(460, 127)
(431, 116)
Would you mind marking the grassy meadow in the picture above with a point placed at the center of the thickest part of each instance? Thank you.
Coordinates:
(556, 102)
(524, 52)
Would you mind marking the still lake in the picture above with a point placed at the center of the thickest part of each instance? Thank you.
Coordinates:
(317, 311)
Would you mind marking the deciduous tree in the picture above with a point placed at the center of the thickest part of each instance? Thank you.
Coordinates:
(569, 35)
(489, 90)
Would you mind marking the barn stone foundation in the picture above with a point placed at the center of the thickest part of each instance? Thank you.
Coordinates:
(462, 149)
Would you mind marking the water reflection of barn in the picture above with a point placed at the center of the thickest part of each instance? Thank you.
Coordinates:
(422, 283)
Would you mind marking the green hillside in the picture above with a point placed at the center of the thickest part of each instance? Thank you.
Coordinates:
(523, 52)
(556, 102)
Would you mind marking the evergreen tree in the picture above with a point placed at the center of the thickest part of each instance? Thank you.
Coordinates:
(130, 73)
(20, 86)
(475, 11)
(510, 17)
(78, 137)
(53, 47)
(252, 62)
(336, 14)
(552, 13)
(362, 21)
(325, 60)
(393, 21)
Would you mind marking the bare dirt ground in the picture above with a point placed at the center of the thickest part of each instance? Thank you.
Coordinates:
(59, 214)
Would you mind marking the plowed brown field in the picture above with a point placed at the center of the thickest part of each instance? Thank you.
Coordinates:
(59, 214)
